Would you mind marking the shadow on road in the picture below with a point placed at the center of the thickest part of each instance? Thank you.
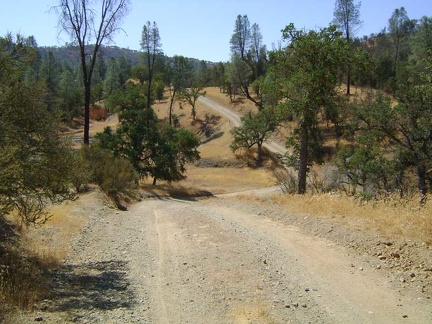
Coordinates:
(94, 285)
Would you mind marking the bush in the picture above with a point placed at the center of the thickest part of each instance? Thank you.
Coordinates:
(81, 172)
(287, 180)
(114, 175)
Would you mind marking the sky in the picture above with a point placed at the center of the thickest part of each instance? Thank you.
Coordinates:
(202, 29)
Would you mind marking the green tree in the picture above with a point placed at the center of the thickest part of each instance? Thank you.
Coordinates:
(98, 79)
(173, 150)
(399, 136)
(238, 75)
(202, 75)
(33, 158)
(125, 70)
(422, 40)
(154, 149)
(50, 72)
(246, 50)
(368, 162)
(240, 40)
(254, 130)
(179, 75)
(159, 89)
(347, 17)
(80, 21)
(69, 99)
(140, 72)
(190, 96)
(400, 26)
(151, 45)
(112, 80)
(257, 52)
(307, 70)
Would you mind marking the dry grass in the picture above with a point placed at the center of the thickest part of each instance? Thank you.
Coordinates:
(212, 181)
(225, 180)
(22, 278)
(240, 104)
(215, 180)
(52, 240)
(24, 267)
(392, 218)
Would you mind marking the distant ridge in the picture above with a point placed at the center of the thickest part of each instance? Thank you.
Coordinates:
(69, 55)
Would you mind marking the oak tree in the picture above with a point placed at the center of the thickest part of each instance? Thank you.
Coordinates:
(255, 129)
(307, 72)
(34, 159)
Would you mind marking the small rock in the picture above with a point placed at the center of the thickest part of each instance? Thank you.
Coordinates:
(378, 266)
(402, 280)
(361, 269)
(304, 306)
(382, 257)
(39, 319)
(412, 275)
(405, 316)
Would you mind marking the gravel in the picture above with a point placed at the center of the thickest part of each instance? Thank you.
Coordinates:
(226, 260)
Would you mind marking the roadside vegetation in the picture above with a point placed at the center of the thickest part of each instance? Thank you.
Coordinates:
(355, 114)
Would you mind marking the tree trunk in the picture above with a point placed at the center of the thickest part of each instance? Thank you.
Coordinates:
(154, 181)
(150, 71)
(348, 92)
(87, 113)
(303, 159)
(348, 38)
(171, 107)
(259, 157)
(421, 174)
(193, 113)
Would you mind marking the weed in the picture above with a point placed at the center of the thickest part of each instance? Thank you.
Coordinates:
(23, 277)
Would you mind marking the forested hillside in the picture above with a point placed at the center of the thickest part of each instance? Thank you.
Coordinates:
(359, 105)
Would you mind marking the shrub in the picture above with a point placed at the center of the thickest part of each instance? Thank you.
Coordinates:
(81, 172)
(287, 180)
(113, 174)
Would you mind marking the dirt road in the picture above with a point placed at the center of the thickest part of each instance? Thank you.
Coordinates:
(219, 260)
(272, 146)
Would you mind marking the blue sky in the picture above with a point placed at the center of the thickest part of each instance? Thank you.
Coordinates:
(202, 28)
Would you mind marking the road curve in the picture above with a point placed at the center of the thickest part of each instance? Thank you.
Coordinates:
(272, 146)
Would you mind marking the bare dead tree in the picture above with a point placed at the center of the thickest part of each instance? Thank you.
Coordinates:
(90, 26)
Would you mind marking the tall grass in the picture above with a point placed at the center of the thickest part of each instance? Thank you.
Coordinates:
(392, 217)
(23, 277)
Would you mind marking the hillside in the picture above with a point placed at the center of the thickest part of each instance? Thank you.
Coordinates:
(70, 54)
(254, 256)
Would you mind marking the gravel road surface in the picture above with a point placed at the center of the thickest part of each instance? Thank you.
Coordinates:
(218, 260)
